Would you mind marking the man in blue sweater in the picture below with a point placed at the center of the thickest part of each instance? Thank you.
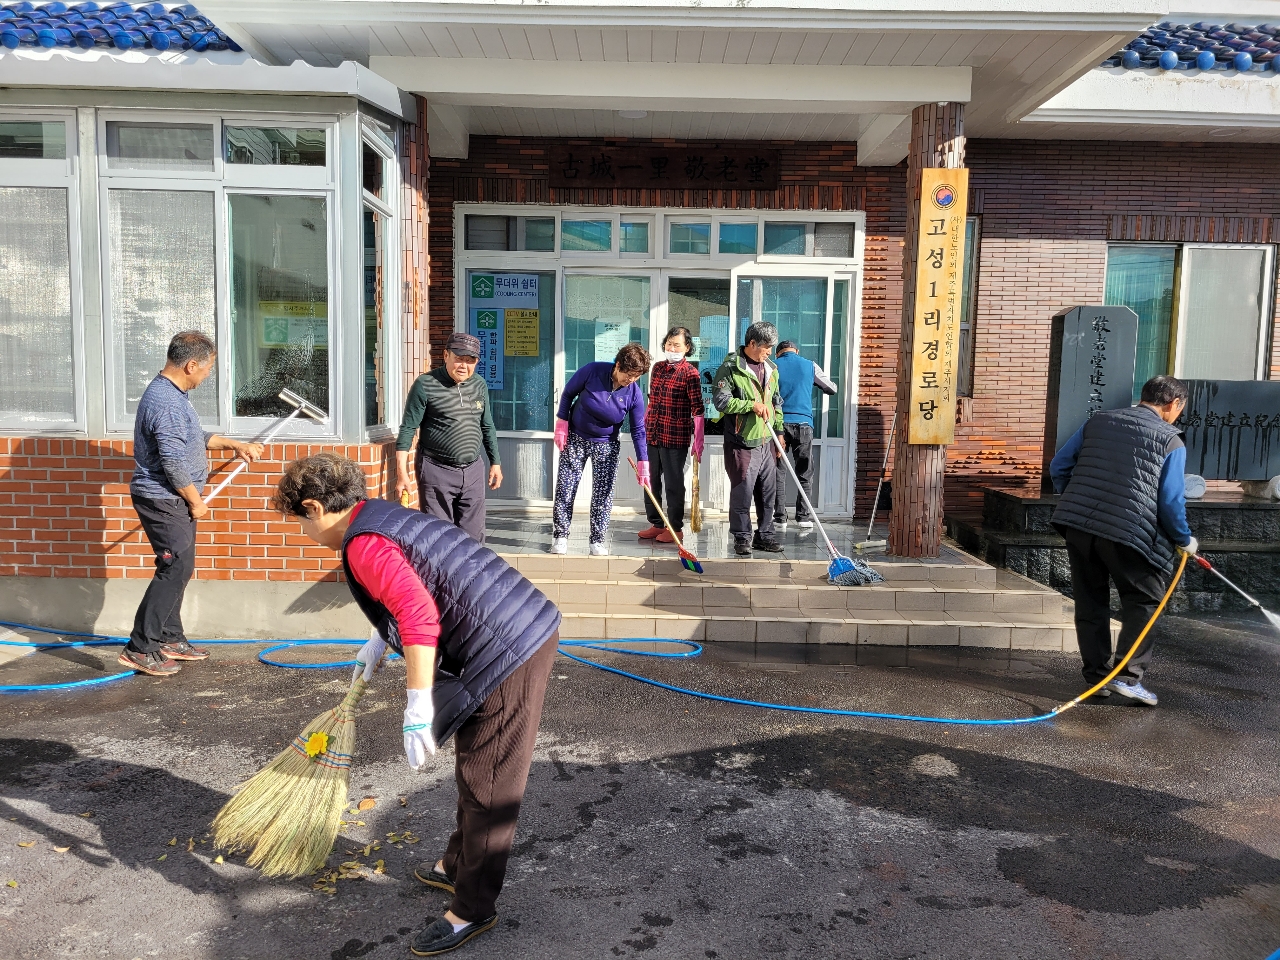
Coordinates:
(1123, 511)
(170, 469)
(797, 378)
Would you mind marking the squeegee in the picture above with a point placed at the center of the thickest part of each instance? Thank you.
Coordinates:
(300, 407)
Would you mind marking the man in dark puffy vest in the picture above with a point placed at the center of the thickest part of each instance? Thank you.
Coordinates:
(1122, 512)
(477, 639)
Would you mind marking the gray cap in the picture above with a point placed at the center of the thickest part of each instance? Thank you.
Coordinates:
(463, 345)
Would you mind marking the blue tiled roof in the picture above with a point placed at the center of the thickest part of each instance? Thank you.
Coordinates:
(1202, 46)
(119, 25)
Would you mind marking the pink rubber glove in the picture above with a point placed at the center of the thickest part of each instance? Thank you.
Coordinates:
(562, 434)
(642, 470)
(699, 437)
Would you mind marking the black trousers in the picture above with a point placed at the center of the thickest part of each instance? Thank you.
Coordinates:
(455, 494)
(493, 750)
(752, 475)
(799, 437)
(1094, 560)
(172, 534)
(666, 465)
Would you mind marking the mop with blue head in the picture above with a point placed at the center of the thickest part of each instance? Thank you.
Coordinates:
(687, 559)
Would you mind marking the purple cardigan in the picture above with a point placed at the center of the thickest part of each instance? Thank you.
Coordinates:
(599, 409)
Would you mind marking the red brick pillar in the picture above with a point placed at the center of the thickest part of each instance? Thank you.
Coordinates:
(416, 269)
(915, 523)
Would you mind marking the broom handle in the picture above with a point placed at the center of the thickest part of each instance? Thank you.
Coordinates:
(782, 455)
(657, 506)
(893, 425)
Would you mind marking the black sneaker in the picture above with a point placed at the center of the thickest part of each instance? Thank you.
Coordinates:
(428, 874)
(439, 936)
(183, 650)
(155, 664)
(767, 544)
(742, 546)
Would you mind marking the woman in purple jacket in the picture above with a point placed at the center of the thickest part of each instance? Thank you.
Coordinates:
(595, 402)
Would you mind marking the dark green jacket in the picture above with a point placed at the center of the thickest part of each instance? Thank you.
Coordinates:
(735, 391)
(453, 419)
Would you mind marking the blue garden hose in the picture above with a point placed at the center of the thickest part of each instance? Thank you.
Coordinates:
(105, 640)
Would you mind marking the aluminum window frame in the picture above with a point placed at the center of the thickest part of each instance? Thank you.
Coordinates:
(55, 173)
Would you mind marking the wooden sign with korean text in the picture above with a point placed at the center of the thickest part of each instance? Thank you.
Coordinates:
(944, 194)
(678, 168)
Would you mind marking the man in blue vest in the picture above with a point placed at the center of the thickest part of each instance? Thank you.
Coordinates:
(1123, 511)
(797, 378)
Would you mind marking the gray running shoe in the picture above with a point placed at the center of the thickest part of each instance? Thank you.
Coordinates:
(1134, 690)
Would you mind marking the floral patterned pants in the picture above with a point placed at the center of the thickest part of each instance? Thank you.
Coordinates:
(604, 468)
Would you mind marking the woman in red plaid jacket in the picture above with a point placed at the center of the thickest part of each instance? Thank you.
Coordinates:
(672, 420)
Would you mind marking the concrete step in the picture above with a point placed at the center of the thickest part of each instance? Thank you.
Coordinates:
(785, 601)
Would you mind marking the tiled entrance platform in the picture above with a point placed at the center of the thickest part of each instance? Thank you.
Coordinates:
(642, 591)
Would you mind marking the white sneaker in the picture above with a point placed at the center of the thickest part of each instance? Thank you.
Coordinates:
(805, 524)
(560, 545)
(599, 550)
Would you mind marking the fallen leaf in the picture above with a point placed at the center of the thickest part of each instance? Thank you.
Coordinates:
(367, 850)
(88, 814)
(12, 883)
(350, 865)
(404, 801)
(29, 843)
(380, 866)
(353, 811)
(218, 859)
(172, 843)
(191, 844)
(368, 803)
(61, 849)
(162, 858)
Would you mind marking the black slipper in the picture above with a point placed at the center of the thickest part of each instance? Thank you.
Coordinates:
(439, 936)
(433, 877)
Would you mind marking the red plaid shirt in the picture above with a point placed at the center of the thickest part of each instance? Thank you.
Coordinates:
(675, 398)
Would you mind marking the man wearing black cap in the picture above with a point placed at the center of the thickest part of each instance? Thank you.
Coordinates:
(449, 407)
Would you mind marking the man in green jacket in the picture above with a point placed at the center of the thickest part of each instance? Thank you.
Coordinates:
(449, 407)
(745, 391)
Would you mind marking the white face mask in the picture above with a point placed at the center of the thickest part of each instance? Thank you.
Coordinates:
(674, 357)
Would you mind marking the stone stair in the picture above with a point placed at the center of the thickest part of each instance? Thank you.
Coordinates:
(789, 601)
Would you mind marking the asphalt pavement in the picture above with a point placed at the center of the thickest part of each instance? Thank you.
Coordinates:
(660, 826)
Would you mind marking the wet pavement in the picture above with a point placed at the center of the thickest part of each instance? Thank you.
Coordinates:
(661, 826)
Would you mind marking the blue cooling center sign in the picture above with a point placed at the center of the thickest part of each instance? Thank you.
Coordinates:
(490, 296)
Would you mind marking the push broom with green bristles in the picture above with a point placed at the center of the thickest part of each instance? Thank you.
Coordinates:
(288, 815)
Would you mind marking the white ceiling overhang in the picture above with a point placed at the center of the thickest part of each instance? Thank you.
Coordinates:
(700, 69)
(1150, 105)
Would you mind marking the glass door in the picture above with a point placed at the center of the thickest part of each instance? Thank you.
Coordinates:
(813, 309)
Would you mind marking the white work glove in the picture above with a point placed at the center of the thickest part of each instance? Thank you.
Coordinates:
(369, 657)
(1191, 548)
(418, 741)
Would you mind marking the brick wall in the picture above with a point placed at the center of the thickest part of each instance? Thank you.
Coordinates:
(65, 512)
(813, 176)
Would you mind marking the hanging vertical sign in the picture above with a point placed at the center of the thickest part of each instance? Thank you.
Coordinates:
(493, 300)
(935, 348)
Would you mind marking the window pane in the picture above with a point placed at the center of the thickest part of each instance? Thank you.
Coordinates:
(280, 146)
(784, 239)
(591, 235)
(797, 307)
(738, 238)
(536, 233)
(36, 377)
(487, 233)
(33, 140)
(159, 146)
(374, 362)
(160, 245)
(374, 171)
(702, 305)
(839, 321)
(833, 240)
(1141, 278)
(691, 238)
(635, 237)
(602, 314)
(1224, 309)
(279, 302)
(515, 312)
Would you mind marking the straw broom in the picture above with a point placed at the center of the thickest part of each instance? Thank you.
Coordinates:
(289, 813)
(695, 514)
